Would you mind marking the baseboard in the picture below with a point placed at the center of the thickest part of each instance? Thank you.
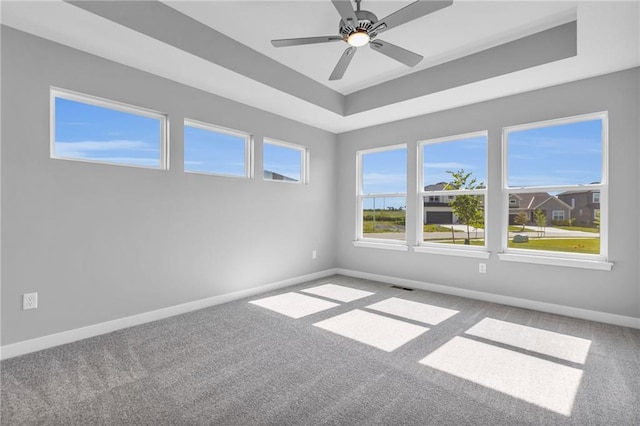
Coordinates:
(568, 311)
(37, 344)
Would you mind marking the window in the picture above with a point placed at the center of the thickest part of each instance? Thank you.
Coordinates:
(382, 194)
(454, 170)
(86, 128)
(596, 198)
(548, 164)
(284, 162)
(213, 150)
(513, 202)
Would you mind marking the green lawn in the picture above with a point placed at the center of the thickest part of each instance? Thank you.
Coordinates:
(437, 228)
(459, 241)
(518, 228)
(579, 228)
(572, 245)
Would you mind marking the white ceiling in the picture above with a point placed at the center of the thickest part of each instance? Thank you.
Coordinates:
(455, 31)
(608, 41)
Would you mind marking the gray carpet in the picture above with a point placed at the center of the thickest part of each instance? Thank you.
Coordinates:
(242, 364)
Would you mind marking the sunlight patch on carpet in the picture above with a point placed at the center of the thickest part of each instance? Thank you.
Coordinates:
(416, 311)
(338, 292)
(375, 330)
(537, 381)
(294, 305)
(563, 346)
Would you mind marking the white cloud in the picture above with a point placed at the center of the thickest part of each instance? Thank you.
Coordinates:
(65, 148)
(451, 165)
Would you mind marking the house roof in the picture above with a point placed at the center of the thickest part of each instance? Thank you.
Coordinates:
(440, 186)
(533, 200)
(579, 191)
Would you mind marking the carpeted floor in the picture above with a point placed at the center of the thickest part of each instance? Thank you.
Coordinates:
(243, 363)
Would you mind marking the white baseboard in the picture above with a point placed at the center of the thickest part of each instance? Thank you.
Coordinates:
(44, 342)
(504, 300)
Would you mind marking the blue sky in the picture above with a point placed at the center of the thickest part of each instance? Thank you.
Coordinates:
(94, 133)
(565, 154)
(568, 154)
(211, 152)
(282, 160)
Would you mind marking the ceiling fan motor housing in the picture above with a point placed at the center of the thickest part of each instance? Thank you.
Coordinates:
(366, 22)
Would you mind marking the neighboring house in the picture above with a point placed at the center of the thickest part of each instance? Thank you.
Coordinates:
(553, 208)
(436, 207)
(585, 205)
(277, 176)
(438, 211)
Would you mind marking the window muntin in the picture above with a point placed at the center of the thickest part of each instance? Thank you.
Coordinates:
(382, 194)
(284, 162)
(441, 160)
(213, 150)
(91, 129)
(551, 164)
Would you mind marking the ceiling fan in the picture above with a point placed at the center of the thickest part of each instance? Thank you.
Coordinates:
(360, 27)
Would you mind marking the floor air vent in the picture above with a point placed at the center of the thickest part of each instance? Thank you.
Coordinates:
(402, 288)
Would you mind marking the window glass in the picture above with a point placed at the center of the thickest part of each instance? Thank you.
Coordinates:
(214, 151)
(449, 164)
(106, 133)
(282, 162)
(563, 154)
(554, 170)
(382, 199)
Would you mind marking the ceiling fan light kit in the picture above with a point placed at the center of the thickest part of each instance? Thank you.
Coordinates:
(360, 27)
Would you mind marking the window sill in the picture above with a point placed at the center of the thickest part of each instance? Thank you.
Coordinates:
(601, 265)
(477, 254)
(381, 245)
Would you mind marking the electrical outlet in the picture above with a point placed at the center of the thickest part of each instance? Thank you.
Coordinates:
(314, 254)
(29, 301)
(482, 268)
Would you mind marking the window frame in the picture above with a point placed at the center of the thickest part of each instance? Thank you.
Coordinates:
(440, 248)
(56, 92)
(360, 240)
(304, 160)
(584, 260)
(248, 147)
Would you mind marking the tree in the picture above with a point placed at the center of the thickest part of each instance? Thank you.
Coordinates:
(465, 207)
(521, 219)
(541, 221)
(596, 219)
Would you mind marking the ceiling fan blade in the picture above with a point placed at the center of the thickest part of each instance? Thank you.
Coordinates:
(398, 53)
(343, 63)
(345, 9)
(304, 40)
(409, 13)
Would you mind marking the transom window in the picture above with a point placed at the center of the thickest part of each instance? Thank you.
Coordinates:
(382, 194)
(551, 166)
(215, 150)
(453, 172)
(92, 129)
(284, 162)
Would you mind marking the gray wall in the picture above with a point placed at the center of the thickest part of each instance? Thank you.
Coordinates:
(100, 242)
(614, 292)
